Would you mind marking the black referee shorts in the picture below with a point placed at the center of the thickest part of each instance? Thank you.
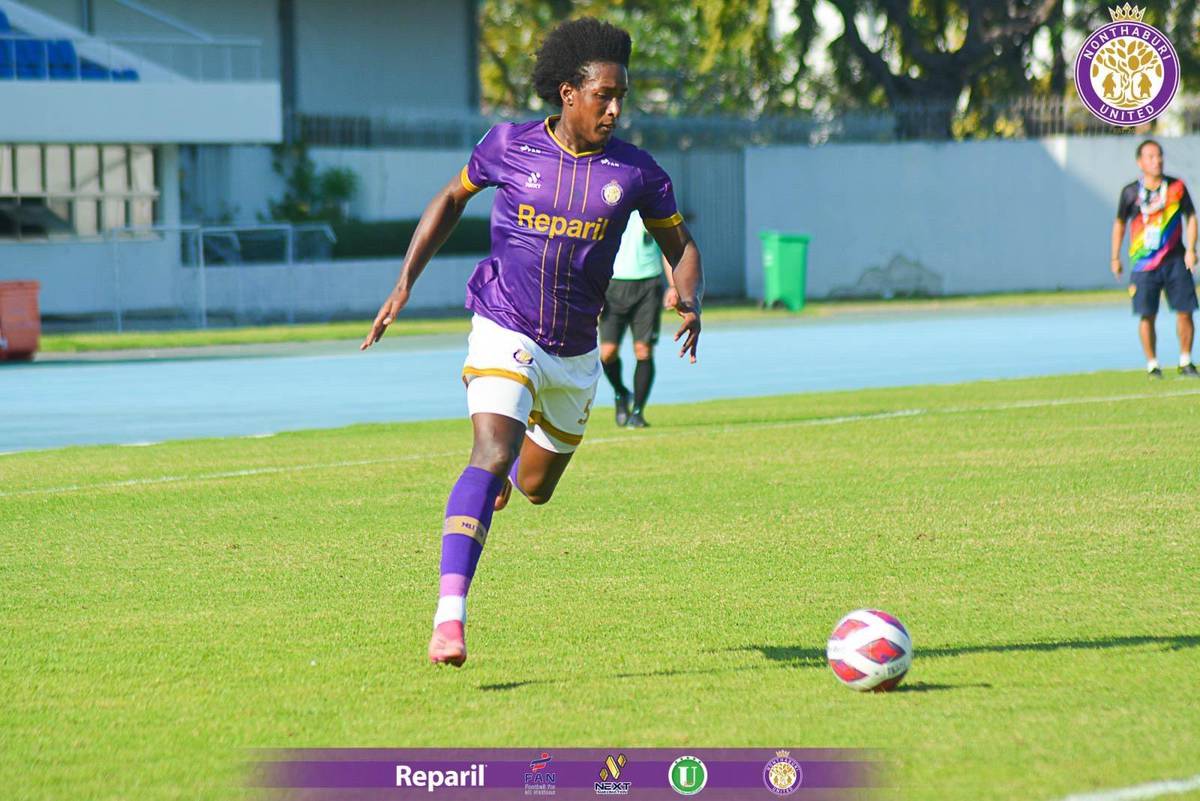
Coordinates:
(632, 304)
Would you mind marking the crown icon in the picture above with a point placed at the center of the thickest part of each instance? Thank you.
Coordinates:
(1127, 12)
(782, 754)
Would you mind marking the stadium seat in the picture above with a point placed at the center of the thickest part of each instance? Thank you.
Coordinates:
(125, 75)
(63, 61)
(31, 59)
(91, 71)
(4, 26)
(8, 64)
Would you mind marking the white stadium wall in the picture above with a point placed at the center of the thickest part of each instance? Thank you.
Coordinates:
(371, 56)
(963, 217)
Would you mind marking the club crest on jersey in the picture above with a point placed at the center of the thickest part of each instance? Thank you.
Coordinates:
(523, 357)
(534, 181)
(612, 193)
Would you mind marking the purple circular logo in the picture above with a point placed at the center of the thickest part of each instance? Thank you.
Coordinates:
(782, 775)
(1126, 73)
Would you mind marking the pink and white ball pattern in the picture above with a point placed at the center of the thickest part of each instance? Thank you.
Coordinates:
(869, 650)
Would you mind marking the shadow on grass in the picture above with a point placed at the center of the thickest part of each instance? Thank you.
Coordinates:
(797, 657)
(929, 687)
(815, 657)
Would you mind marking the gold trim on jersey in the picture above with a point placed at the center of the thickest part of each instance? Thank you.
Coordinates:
(559, 142)
(467, 183)
(666, 222)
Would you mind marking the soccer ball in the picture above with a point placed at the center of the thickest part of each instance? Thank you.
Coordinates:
(869, 650)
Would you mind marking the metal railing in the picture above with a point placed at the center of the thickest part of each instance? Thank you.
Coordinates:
(204, 248)
(1017, 118)
(116, 59)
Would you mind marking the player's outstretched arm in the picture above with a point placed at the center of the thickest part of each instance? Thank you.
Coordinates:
(683, 255)
(437, 221)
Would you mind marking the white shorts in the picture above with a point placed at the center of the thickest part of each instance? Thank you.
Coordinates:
(507, 373)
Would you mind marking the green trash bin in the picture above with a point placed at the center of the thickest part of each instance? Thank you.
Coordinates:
(785, 268)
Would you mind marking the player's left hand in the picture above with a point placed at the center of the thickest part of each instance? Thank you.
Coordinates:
(1189, 258)
(670, 298)
(691, 327)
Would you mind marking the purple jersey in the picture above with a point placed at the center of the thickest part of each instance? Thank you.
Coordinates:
(556, 227)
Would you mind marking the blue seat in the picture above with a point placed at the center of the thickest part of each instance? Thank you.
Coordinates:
(125, 75)
(4, 26)
(91, 71)
(63, 62)
(31, 59)
(8, 63)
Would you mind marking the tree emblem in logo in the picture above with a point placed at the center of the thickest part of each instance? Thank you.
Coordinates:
(1126, 72)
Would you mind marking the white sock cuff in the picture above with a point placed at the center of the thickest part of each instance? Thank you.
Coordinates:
(1185, 359)
(1151, 364)
(451, 607)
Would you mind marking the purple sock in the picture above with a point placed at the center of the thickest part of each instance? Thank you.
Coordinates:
(468, 516)
(512, 475)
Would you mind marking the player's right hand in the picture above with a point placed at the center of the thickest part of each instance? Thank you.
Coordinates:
(387, 315)
(1116, 268)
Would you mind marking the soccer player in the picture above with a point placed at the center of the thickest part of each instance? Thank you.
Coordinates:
(1161, 255)
(566, 189)
(632, 302)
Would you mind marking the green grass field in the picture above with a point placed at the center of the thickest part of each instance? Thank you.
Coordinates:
(458, 321)
(167, 607)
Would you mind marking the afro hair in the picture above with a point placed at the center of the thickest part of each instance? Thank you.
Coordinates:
(570, 47)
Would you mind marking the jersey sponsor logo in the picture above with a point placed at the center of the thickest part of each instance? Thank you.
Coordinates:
(612, 193)
(528, 149)
(534, 181)
(558, 225)
(609, 162)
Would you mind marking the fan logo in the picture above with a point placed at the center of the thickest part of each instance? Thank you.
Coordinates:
(610, 771)
(782, 775)
(523, 357)
(687, 775)
(539, 779)
(1127, 72)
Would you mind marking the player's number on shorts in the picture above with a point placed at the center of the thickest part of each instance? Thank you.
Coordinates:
(587, 412)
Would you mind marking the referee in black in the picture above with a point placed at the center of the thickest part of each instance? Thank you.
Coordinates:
(635, 300)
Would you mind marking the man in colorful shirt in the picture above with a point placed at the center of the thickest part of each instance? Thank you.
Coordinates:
(566, 189)
(1162, 255)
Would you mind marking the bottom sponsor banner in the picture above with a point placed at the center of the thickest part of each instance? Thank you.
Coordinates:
(567, 773)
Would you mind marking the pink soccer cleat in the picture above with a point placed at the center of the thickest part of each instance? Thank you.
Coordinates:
(448, 645)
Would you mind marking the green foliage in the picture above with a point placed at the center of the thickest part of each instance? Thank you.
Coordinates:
(310, 195)
(715, 56)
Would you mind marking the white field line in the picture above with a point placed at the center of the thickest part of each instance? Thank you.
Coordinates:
(1140, 791)
(625, 439)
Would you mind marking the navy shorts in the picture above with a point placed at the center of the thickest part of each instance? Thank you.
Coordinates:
(1174, 277)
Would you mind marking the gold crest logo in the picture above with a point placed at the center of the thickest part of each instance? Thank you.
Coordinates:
(612, 193)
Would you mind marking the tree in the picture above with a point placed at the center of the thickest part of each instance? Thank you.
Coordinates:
(920, 56)
(706, 57)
